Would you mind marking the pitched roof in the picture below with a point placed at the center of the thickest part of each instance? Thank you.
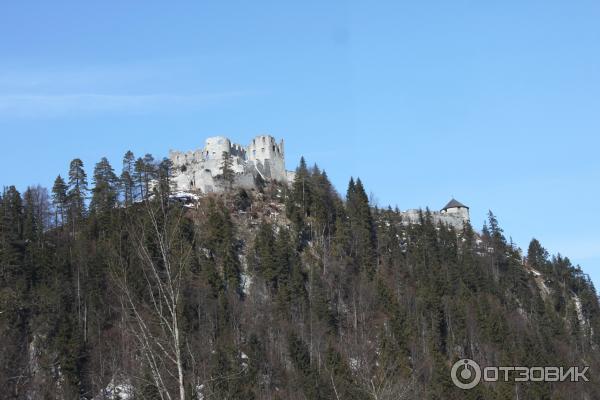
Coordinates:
(454, 204)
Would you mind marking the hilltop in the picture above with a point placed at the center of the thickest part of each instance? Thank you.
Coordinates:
(283, 289)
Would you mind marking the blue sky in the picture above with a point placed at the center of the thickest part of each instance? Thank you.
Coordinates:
(495, 104)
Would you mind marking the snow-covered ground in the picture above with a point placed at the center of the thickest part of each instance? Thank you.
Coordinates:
(116, 391)
(578, 309)
(185, 196)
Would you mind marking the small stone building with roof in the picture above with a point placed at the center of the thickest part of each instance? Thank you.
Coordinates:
(456, 208)
(454, 214)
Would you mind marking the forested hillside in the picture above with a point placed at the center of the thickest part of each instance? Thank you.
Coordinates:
(117, 288)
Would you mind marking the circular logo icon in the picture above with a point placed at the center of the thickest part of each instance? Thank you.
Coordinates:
(466, 374)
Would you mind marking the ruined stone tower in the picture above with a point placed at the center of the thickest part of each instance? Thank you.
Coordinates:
(201, 169)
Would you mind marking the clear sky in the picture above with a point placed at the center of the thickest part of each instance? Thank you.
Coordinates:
(496, 104)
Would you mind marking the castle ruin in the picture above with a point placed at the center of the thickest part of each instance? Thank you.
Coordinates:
(202, 169)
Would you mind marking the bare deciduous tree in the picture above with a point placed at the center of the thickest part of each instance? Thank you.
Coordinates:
(162, 257)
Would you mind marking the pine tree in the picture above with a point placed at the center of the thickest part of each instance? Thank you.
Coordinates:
(77, 191)
(323, 205)
(227, 173)
(242, 200)
(288, 280)
(425, 296)
(299, 353)
(264, 252)
(145, 172)
(138, 179)
(309, 378)
(343, 236)
(497, 245)
(104, 193)
(149, 172)
(361, 225)
(496, 233)
(300, 197)
(165, 175)
(36, 212)
(219, 238)
(11, 228)
(127, 176)
(537, 256)
(60, 200)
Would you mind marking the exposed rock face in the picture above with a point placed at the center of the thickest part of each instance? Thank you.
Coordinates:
(202, 169)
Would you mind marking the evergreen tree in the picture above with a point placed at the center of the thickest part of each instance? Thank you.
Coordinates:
(323, 206)
(361, 225)
(36, 212)
(227, 173)
(77, 191)
(309, 378)
(382, 310)
(537, 256)
(11, 228)
(127, 178)
(165, 174)
(60, 200)
(242, 200)
(105, 191)
(138, 179)
(219, 238)
(144, 173)
(343, 237)
(149, 172)
(300, 196)
(495, 232)
(264, 255)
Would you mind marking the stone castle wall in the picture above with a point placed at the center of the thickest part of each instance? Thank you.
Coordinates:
(455, 219)
(200, 169)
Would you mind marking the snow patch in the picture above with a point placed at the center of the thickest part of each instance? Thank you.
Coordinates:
(539, 280)
(246, 282)
(244, 358)
(199, 394)
(578, 309)
(184, 196)
(354, 364)
(534, 272)
(116, 391)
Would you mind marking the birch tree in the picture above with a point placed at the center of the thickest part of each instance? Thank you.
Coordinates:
(161, 257)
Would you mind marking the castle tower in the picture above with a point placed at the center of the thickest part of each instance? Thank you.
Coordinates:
(263, 147)
(215, 146)
(456, 208)
(268, 156)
